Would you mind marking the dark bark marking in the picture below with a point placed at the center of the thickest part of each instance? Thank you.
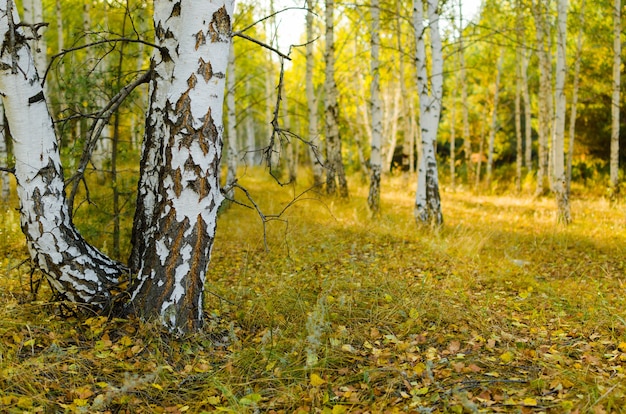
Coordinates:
(205, 69)
(192, 81)
(178, 178)
(175, 10)
(200, 39)
(219, 28)
(37, 98)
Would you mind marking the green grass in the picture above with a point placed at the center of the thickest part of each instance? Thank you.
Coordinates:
(501, 310)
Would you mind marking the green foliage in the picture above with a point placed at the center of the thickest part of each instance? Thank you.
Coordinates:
(501, 310)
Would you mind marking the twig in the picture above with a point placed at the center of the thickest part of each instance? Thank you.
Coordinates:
(99, 42)
(262, 44)
(8, 170)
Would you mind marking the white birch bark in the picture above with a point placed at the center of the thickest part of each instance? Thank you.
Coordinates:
(311, 101)
(494, 120)
(194, 40)
(33, 14)
(453, 140)
(373, 198)
(76, 270)
(392, 128)
(335, 174)
(231, 134)
(558, 142)
(427, 199)
(574, 104)
(615, 100)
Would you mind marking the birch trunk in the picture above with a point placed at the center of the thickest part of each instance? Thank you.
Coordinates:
(519, 156)
(231, 134)
(76, 270)
(194, 40)
(574, 104)
(251, 150)
(335, 175)
(615, 101)
(311, 101)
(427, 200)
(558, 142)
(528, 138)
(373, 199)
(453, 141)
(494, 121)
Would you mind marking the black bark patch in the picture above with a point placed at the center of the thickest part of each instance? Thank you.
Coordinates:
(175, 10)
(37, 98)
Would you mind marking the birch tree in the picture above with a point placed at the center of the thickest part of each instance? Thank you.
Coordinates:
(558, 142)
(615, 99)
(179, 191)
(494, 120)
(335, 174)
(373, 199)
(4, 158)
(311, 101)
(427, 200)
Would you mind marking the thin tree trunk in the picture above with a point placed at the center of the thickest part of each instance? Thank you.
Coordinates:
(519, 156)
(33, 14)
(494, 121)
(467, 142)
(392, 132)
(335, 175)
(615, 101)
(528, 138)
(559, 124)
(373, 199)
(314, 153)
(231, 134)
(427, 199)
(574, 104)
(453, 140)
(479, 162)
(250, 132)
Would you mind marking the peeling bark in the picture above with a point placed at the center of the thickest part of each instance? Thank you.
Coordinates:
(194, 40)
(427, 199)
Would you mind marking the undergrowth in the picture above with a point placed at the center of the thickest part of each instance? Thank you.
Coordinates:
(501, 310)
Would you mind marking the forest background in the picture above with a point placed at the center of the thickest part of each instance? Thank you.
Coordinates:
(501, 310)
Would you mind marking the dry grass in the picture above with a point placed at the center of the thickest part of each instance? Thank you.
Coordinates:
(502, 310)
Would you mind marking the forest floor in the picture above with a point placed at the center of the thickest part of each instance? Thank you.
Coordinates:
(501, 310)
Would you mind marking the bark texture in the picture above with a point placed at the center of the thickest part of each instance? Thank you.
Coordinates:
(194, 40)
(231, 175)
(373, 199)
(558, 143)
(427, 199)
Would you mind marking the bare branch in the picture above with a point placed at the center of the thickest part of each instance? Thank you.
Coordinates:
(260, 43)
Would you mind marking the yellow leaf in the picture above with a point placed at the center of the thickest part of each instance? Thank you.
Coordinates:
(157, 386)
(126, 341)
(213, 400)
(316, 380)
(339, 409)
(529, 401)
(622, 346)
(506, 357)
